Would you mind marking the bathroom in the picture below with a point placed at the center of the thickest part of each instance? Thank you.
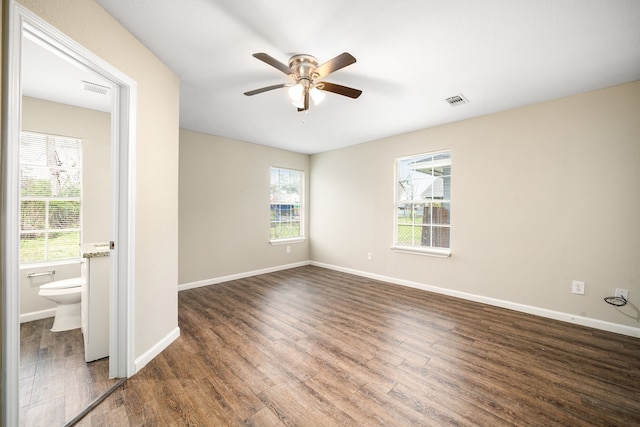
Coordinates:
(42, 115)
(93, 128)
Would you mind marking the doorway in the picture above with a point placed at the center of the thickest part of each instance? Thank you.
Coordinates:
(23, 23)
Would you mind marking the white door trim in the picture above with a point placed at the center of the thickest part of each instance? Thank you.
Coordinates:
(123, 132)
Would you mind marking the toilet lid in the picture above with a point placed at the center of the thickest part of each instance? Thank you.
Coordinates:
(63, 284)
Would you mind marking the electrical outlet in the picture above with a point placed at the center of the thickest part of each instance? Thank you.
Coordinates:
(624, 293)
(288, 249)
(369, 256)
(577, 287)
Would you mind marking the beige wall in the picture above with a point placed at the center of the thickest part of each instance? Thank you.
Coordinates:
(156, 224)
(224, 207)
(541, 195)
(93, 127)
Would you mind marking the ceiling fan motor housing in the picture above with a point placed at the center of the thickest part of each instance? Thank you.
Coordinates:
(302, 67)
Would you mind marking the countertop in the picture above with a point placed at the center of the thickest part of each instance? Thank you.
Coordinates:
(93, 250)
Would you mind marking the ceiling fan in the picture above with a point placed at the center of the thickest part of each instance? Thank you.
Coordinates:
(306, 72)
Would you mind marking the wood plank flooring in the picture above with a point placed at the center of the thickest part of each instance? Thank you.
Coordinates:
(314, 347)
(55, 381)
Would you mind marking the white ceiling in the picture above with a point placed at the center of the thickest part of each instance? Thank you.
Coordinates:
(411, 55)
(51, 75)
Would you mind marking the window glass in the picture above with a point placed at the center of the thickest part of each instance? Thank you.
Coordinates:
(423, 201)
(50, 197)
(286, 203)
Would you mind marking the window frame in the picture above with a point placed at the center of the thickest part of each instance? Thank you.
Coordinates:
(301, 209)
(415, 249)
(47, 230)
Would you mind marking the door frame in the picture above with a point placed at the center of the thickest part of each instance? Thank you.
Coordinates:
(122, 203)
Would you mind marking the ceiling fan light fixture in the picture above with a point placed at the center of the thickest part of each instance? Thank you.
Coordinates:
(316, 95)
(299, 104)
(295, 92)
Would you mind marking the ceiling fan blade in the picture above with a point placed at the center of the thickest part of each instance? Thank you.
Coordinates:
(339, 89)
(268, 59)
(332, 65)
(265, 89)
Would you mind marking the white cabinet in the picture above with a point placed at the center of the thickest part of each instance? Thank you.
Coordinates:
(95, 305)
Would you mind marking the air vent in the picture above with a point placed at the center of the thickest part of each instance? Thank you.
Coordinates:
(95, 88)
(456, 100)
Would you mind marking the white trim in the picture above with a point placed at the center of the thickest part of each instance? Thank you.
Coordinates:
(148, 355)
(444, 253)
(122, 296)
(537, 311)
(287, 240)
(37, 315)
(12, 102)
(16, 22)
(428, 153)
(216, 280)
(49, 264)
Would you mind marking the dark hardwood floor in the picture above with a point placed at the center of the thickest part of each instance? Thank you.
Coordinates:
(314, 347)
(55, 381)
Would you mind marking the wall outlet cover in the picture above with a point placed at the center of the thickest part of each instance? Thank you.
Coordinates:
(624, 293)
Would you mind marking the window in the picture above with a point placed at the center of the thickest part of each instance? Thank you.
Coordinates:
(286, 204)
(50, 197)
(423, 202)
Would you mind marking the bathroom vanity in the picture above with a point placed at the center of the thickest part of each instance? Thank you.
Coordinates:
(95, 300)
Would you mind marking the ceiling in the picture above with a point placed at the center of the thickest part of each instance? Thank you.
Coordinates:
(51, 75)
(411, 56)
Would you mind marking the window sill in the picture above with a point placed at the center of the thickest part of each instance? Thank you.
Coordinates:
(45, 264)
(439, 253)
(286, 241)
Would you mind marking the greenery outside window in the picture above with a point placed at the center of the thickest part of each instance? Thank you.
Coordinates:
(286, 204)
(423, 203)
(50, 197)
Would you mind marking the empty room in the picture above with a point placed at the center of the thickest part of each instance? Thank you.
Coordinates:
(321, 213)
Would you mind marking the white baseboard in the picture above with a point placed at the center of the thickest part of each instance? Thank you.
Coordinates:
(37, 315)
(222, 279)
(142, 361)
(543, 312)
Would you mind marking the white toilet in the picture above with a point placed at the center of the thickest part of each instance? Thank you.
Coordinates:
(65, 293)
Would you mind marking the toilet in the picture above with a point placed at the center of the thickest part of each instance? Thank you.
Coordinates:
(66, 294)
